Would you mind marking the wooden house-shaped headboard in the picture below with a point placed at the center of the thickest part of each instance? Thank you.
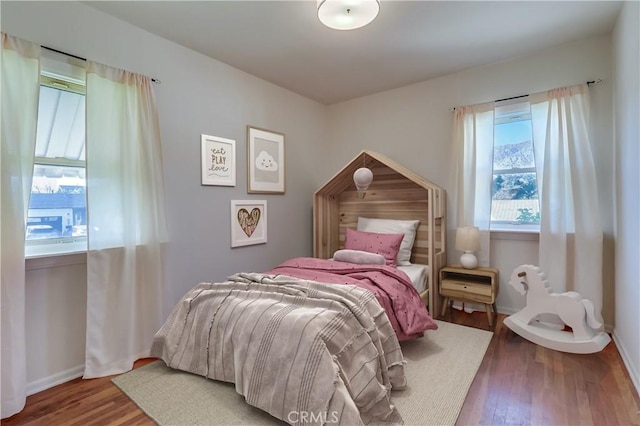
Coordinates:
(395, 193)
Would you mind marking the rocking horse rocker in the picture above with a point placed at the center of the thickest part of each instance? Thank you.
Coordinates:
(573, 310)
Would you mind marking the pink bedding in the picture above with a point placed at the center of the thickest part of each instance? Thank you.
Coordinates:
(391, 287)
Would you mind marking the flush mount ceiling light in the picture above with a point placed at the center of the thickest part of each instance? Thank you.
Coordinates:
(347, 14)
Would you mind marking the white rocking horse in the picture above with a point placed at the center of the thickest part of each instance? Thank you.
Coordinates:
(585, 336)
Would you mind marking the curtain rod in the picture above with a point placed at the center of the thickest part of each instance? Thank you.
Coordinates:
(155, 80)
(590, 82)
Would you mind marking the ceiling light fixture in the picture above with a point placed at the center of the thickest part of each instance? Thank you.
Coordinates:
(347, 14)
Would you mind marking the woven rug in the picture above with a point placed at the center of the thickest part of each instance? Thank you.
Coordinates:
(440, 369)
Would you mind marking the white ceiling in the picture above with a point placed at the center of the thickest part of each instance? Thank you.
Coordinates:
(410, 41)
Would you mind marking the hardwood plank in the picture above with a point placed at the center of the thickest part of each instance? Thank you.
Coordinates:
(518, 382)
(81, 402)
(522, 383)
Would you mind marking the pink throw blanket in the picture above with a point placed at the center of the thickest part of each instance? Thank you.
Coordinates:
(391, 287)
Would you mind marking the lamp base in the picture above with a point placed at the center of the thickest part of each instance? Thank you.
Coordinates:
(468, 260)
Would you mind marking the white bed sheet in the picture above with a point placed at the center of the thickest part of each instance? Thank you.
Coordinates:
(418, 274)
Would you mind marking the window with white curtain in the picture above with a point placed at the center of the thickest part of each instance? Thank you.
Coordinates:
(514, 194)
(57, 218)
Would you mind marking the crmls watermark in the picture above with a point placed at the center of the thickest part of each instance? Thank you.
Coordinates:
(310, 417)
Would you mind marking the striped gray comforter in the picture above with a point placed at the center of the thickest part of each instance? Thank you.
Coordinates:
(305, 352)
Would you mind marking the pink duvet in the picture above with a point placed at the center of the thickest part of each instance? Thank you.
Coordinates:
(392, 288)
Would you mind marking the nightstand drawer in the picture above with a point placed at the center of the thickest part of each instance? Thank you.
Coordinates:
(465, 287)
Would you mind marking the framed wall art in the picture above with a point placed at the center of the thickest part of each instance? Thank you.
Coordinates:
(248, 222)
(266, 162)
(218, 161)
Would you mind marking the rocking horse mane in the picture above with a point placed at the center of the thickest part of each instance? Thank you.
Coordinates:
(526, 276)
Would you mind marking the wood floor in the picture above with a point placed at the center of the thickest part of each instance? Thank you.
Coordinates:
(518, 383)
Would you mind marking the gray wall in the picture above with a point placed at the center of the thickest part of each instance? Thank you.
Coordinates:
(627, 233)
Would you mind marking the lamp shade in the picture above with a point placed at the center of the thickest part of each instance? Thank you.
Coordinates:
(362, 178)
(468, 239)
(347, 14)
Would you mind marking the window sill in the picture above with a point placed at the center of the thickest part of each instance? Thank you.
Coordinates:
(518, 235)
(55, 260)
(41, 256)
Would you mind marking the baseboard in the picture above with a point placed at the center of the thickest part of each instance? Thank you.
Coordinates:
(506, 310)
(54, 380)
(633, 373)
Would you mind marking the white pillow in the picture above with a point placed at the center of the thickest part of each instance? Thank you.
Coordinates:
(392, 226)
(359, 257)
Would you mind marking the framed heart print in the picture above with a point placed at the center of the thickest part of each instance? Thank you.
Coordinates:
(248, 222)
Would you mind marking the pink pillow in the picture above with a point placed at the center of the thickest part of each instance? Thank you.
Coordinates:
(387, 245)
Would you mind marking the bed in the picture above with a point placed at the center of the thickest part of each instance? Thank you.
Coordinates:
(295, 348)
(391, 287)
(320, 336)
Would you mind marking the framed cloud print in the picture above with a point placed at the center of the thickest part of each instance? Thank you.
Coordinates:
(218, 161)
(248, 222)
(266, 161)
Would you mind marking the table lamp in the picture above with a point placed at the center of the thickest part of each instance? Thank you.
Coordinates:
(468, 241)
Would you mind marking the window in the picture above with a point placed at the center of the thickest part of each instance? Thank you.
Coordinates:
(57, 218)
(514, 194)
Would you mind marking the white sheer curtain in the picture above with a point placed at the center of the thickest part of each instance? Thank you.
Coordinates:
(570, 250)
(126, 217)
(473, 169)
(20, 88)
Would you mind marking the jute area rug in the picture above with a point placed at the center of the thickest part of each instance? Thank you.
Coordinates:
(440, 368)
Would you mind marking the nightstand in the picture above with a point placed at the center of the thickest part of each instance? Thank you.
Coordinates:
(478, 285)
